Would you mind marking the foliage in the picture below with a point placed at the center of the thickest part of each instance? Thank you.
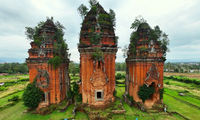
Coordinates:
(155, 34)
(120, 76)
(115, 93)
(79, 98)
(13, 68)
(94, 38)
(82, 9)
(73, 68)
(94, 9)
(125, 50)
(92, 3)
(98, 55)
(75, 89)
(112, 17)
(69, 93)
(37, 42)
(2, 88)
(12, 83)
(60, 46)
(133, 41)
(116, 39)
(130, 98)
(104, 19)
(138, 20)
(145, 92)
(161, 91)
(184, 79)
(120, 66)
(32, 95)
(55, 61)
(14, 98)
(142, 48)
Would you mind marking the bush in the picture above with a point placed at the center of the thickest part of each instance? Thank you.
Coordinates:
(145, 92)
(119, 76)
(14, 98)
(79, 98)
(130, 98)
(32, 95)
(75, 89)
(69, 94)
(55, 61)
(114, 93)
(2, 88)
(161, 91)
(167, 82)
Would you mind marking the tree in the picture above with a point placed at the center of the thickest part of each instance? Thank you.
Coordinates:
(82, 9)
(92, 3)
(155, 33)
(112, 17)
(75, 89)
(125, 51)
(72, 68)
(32, 95)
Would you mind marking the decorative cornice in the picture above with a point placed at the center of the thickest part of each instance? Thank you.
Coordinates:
(90, 50)
(145, 60)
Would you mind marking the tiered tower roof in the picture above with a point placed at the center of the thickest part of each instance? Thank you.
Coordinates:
(97, 29)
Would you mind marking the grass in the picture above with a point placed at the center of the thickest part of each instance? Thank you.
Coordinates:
(4, 101)
(186, 110)
(190, 75)
(184, 98)
(13, 89)
(8, 78)
(181, 84)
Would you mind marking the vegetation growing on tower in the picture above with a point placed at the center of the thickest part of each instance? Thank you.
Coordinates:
(141, 30)
(96, 23)
(46, 32)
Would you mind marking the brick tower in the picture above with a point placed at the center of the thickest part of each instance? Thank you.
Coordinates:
(53, 81)
(144, 65)
(97, 47)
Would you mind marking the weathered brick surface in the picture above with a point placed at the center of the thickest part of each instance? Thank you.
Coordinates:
(38, 61)
(140, 69)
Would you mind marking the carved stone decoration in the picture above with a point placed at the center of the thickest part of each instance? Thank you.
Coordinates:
(152, 74)
(43, 77)
(98, 78)
(41, 52)
(152, 47)
(99, 65)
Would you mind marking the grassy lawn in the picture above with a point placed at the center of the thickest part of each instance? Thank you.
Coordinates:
(9, 78)
(186, 110)
(13, 89)
(181, 84)
(184, 98)
(4, 101)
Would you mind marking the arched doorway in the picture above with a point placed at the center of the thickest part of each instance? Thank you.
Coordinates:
(153, 97)
(153, 85)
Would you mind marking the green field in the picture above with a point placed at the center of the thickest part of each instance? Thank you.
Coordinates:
(183, 105)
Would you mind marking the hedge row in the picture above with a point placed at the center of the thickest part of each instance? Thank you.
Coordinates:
(184, 79)
(11, 83)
